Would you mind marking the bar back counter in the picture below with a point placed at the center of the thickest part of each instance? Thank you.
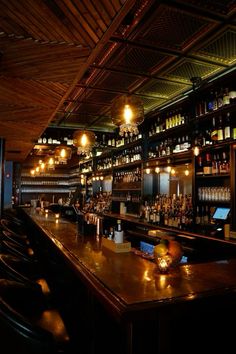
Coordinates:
(120, 303)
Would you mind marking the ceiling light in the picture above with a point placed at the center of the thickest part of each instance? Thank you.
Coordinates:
(127, 112)
(62, 154)
(84, 141)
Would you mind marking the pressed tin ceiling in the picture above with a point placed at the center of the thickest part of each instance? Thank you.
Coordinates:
(62, 63)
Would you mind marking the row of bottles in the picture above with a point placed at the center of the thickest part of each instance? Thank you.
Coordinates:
(214, 194)
(203, 215)
(215, 100)
(128, 156)
(213, 164)
(110, 140)
(172, 120)
(170, 211)
(170, 146)
(130, 176)
(126, 197)
(105, 163)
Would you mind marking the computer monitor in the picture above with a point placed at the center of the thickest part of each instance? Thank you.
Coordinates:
(221, 213)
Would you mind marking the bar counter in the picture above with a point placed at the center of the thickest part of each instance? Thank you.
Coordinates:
(131, 288)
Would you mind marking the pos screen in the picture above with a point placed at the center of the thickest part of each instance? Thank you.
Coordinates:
(221, 213)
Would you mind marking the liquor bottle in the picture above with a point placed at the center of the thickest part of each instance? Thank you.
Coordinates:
(224, 166)
(227, 130)
(226, 99)
(220, 131)
(210, 102)
(215, 167)
(214, 131)
(197, 218)
(207, 169)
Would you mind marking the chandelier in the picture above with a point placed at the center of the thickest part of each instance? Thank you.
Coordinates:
(62, 154)
(127, 112)
(84, 141)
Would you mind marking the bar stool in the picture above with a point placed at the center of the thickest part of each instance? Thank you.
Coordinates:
(18, 240)
(27, 325)
(16, 250)
(13, 227)
(20, 269)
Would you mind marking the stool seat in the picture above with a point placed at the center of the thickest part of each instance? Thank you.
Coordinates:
(21, 270)
(16, 250)
(27, 325)
(16, 229)
(22, 239)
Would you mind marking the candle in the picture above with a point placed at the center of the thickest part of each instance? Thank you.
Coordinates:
(163, 264)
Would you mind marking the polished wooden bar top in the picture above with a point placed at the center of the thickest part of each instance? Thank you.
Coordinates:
(127, 282)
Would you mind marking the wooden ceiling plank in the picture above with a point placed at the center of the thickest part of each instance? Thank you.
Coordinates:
(93, 12)
(116, 4)
(76, 24)
(26, 22)
(80, 15)
(91, 17)
(59, 28)
(102, 11)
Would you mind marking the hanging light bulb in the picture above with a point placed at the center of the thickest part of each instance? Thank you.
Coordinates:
(84, 141)
(62, 154)
(127, 112)
(51, 163)
(32, 172)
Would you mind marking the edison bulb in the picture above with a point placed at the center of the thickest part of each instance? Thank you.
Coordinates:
(84, 140)
(63, 153)
(128, 114)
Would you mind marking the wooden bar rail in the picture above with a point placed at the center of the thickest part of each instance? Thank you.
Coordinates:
(143, 311)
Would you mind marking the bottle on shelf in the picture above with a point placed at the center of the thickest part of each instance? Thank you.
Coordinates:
(214, 131)
(227, 128)
(220, 130)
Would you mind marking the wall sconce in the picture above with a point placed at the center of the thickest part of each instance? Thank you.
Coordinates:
(127, 113)
(168, 169)
(148, 171)
(62, 154)
(157, 169)
(83, 141)
(172, 171)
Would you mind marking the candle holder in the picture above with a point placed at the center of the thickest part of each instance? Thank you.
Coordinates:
(164, 263)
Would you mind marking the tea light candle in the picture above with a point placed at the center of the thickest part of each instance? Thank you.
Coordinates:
(57, 216)
(163, 265)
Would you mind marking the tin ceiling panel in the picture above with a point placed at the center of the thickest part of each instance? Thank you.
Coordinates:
(221, 49)
(118, 81)
(173, 28)
(139, 60)
(218, 7)
(162, 89)
(188, 68)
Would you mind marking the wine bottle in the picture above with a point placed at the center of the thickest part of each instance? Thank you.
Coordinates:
(227, 132)
(119, 233)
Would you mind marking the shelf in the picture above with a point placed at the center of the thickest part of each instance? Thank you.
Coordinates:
(213, 202)
(126, 189)
(180, 156)
(168, 132)
(128, 165)
(208, 115)
(226, 175)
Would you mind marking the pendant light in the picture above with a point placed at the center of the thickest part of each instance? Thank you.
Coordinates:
(127, 112)
(84, 141)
